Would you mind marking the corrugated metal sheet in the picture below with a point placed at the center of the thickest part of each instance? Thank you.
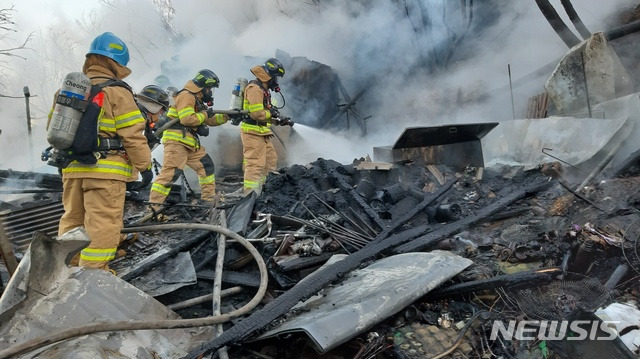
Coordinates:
(20, 224)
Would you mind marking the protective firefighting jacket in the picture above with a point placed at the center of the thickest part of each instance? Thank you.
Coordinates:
(191, 112)
(120, 118)
(257, 100)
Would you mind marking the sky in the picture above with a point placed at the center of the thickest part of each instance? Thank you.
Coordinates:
(358, 42)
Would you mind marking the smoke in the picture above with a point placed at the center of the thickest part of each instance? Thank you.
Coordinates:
(424, 62)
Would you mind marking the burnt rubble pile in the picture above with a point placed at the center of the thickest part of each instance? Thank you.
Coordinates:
(448, 252)
(529, 230)
(517, 244)
(522, 230)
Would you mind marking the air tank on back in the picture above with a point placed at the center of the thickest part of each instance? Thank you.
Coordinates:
(237, 95)
(70, 104)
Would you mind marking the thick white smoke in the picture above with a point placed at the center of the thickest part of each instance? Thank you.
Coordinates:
(376, 44)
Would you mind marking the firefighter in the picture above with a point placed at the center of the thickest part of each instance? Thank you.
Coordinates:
(258, 152)
(93, 195)
(182, 141)
(153, 102)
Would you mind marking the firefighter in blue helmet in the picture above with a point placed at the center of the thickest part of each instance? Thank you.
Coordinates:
(93, 195)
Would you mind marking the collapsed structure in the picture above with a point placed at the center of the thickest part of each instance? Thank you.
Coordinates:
(458, 240)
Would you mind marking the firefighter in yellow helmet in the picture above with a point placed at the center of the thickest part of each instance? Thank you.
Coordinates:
(93, 195)
(182, 141)
(258, 152)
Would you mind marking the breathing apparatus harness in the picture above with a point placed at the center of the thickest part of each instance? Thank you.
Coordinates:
(202, 130)
(110, 145)
(88, 147)
(266, 100)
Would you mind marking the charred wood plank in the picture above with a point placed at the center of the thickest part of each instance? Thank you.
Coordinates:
(507, 214)
(449, 229)
(242, 279)
(524, 279)
(304, 262)
(353, 194)
(427, 201)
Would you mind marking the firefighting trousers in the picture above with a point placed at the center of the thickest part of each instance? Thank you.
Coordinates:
(98, 206)
(259, 158)
(176, 156)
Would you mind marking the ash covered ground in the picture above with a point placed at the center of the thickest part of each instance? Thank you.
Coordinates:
(329, 208)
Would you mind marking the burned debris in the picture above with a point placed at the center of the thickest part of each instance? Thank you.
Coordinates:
(525, 247)
(497, 239)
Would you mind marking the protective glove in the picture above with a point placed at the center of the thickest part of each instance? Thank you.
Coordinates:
(133, 186)
(147, 177)
(274, 112)
(203, 130)
(236, 119)
(210, 112)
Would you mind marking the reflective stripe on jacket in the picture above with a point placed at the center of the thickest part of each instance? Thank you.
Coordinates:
(177, 135)
(120, 118)
(190, 116)
(256, 101)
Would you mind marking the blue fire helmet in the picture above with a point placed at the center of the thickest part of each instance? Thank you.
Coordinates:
(111, 46)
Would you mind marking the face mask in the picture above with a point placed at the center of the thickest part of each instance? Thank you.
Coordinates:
(207, 96)
(273, 84)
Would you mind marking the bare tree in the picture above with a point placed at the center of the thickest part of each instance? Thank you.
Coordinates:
(8, 46)
(167, 12)
(312, 6)
(6, 29)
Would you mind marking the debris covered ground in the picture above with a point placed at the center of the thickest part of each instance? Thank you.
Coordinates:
(536, 249)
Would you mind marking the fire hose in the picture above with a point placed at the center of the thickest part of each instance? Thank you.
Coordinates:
(40, 342)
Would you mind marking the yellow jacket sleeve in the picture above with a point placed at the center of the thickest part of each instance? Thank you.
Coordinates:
(129, 125)
(185, 106)
(217, 119)
(254, 103)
